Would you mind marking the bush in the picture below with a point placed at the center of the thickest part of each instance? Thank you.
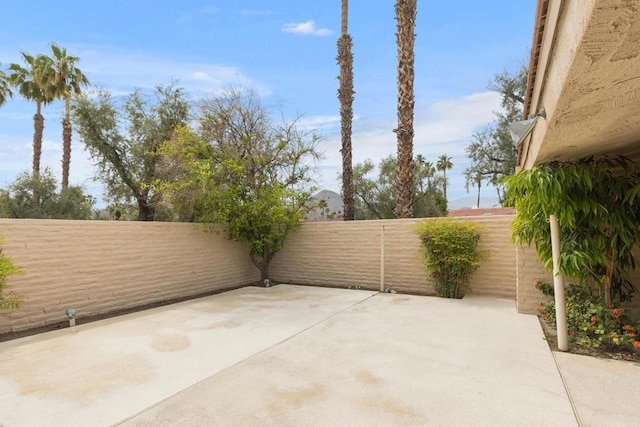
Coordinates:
(7, 268)
(592, 324)
(451, 253)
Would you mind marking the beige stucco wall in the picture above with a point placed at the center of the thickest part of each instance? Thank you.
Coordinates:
(104, 266)
(529, 270)
(349, 254)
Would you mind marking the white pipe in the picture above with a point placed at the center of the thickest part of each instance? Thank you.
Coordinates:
(558, 287)
(382, 258)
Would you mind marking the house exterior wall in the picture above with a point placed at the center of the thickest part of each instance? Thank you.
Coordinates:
(349, 254)
(105, 266)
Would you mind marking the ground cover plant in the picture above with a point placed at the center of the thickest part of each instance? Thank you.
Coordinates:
(594, 327)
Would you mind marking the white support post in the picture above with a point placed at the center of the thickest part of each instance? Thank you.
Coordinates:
(558, 286)
(382, 258)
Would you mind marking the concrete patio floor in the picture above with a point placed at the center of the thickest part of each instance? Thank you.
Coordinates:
(295, 355)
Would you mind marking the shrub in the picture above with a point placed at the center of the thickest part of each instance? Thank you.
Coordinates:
(592, 324)
(7, 268)
(451, 253)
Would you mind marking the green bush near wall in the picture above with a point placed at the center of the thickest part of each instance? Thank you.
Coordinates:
(451, 253)
(7, 268)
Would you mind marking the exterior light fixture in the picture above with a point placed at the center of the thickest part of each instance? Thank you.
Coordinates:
(521, 129)
(71, 314)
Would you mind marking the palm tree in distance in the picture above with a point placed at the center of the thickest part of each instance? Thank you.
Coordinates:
(405, 38)
(444, 164)
(67, 80)
(5, 89)
(345, 96)
(34, 83)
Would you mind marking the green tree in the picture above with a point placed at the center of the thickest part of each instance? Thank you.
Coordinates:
(345, 96)
(7, 268)
(34, 83)
(375, 197)
(35, 196)
(597, 203)
(5, 89)
(68, 80)
(242, 170)
(405, 39)
(124, 141)
(492, 151)
(444, 164)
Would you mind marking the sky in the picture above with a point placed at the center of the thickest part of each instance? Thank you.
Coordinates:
(286, 51)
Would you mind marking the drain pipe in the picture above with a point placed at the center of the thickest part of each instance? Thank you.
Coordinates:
(558, 286)
(382, 258)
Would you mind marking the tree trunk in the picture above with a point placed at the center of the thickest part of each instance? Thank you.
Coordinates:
(478, 203)
(345, 96)
(146, 212)
(264, 270)
(66, 151)
(38, 130)
(406, 17)
(444, 183)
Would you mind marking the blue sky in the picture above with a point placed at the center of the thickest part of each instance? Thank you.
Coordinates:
(285, 50)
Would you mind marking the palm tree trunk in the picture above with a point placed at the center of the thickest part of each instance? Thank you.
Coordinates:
(444, 184)
(406, 17)
(66, 151)
(345, 96)
(38, 130)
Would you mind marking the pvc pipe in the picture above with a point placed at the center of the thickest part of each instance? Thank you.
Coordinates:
(382, 258)
(558, 286)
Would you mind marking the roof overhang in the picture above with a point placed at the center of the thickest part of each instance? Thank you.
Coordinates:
(585, 73)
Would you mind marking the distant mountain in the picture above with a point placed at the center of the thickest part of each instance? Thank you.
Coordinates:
(471, 201)
(332, 210)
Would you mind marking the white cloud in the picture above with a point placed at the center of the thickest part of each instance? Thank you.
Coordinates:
(317, 122)
(307, 28)
(122, 70)
(261, 12)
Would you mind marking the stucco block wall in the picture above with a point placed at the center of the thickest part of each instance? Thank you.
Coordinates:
(529, 270)
(103, 266)
(349, 254)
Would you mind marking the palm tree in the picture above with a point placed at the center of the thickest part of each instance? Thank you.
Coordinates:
(67, 80)
(474, 177)
(34, 84)
(406, 17)
(444, 164)
(5, 90)
(345, 96)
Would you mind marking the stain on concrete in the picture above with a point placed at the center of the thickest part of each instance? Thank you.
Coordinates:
(401, 299)
(52, 378)
(227, 324)
(296, 397)
(170, 342)
(266, 306)
(368, 378)
(398, 412)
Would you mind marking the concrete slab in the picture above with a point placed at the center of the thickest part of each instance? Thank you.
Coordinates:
(290, 355)
(102, 372)
(389, 360)
(604, 392)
